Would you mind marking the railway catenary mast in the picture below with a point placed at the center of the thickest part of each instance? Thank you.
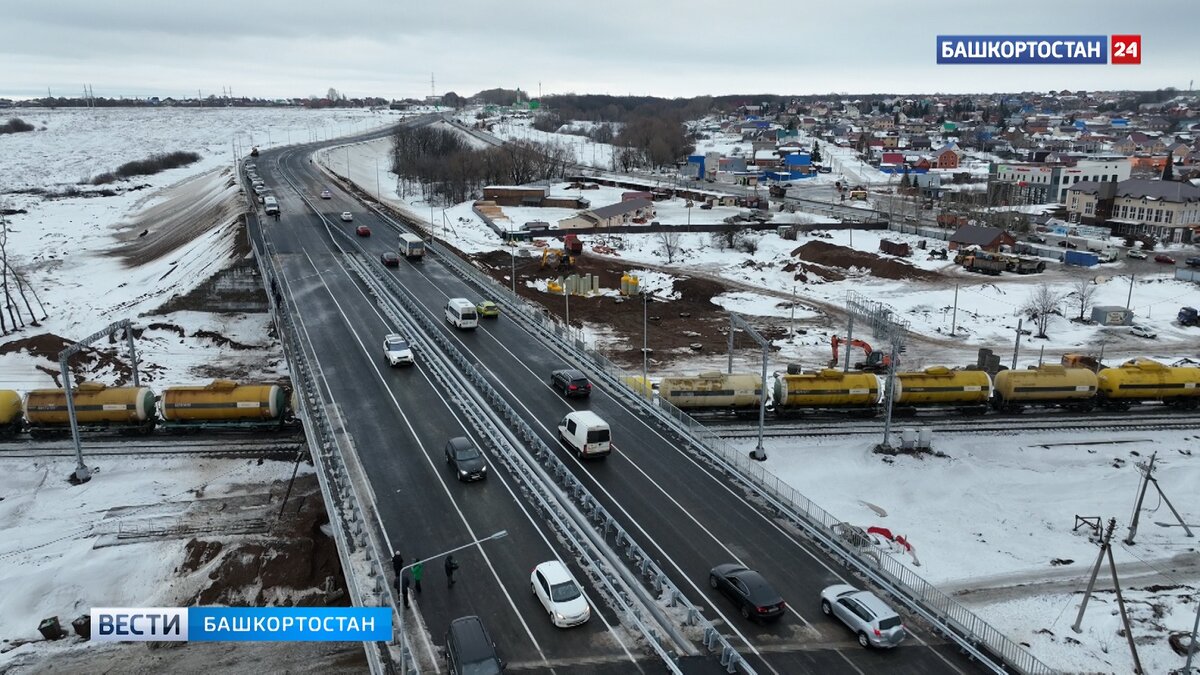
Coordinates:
(888, 328)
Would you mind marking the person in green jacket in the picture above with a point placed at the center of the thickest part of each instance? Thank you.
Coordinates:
(418, 569)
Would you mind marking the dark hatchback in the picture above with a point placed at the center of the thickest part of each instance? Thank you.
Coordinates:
(389, 259)
(466, 459)
(571, 382)
(754, 596)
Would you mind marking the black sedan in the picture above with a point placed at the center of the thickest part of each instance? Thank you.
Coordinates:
(753, 595)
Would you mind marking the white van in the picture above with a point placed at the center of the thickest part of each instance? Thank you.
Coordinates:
(271, 205)
(460, 313)
(584, 432)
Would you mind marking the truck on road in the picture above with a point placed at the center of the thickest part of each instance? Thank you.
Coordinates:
(412, 246)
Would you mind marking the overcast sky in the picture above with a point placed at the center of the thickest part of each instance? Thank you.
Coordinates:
(649, 47)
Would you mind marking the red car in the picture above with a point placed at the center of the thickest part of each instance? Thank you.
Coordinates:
(1165, 259)
(362, 231)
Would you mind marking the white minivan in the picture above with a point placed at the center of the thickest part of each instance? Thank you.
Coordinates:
(584, 432)
(460, 313)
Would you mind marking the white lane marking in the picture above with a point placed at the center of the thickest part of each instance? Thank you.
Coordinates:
(537, 525)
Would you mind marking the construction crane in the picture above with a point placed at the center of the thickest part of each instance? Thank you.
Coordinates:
(875, 361)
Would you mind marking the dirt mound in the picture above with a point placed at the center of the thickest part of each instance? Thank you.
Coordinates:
(841, 257)
(84, 365)
(296, 564)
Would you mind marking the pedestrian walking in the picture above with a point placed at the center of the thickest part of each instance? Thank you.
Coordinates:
(418, 570)
(403, 583)
(451, 565)
(397, 563)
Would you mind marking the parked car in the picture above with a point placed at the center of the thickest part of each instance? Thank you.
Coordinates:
(876, 624)
(466, 459)
(362, 230)
(571, 382)
(389, 259)
(1192, 262)
(1135, 254)
(487, 309)
(1142, 331)
(397, 350)
(347, 216)
(1036, 238)
(756, 599)
(559, 594)
(326, 194)
(1164, 258)
(1067, 244)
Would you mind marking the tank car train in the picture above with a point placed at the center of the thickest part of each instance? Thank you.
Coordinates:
(967, 391)
(222, 404)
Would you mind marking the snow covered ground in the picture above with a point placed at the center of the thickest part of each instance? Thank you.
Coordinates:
(947, 506)
(993, 523)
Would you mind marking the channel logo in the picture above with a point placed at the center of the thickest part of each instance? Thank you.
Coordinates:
(241, 624)
(1039, 49)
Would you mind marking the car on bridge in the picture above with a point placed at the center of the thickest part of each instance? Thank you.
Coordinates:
(326, 194)
(487, 309)
(559, 594)
(571, 382)
(397, 350)
(362, 231)
(470, 649)
(347, 216)
(389, 259)
(466, 459)
(876, 624)
(755, 597)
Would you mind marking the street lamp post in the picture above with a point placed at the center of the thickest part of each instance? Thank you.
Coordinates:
(645, 341)
(567, 301)
(403, 643)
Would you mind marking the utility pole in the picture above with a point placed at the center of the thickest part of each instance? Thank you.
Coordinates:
(1129, 298)
(849, 336)
(1017, 346)
(1148, 478)
(792, 329)
(954, 316)
(1106, 552)
(645, 341)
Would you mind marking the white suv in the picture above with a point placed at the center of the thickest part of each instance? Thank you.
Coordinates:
(398, 350)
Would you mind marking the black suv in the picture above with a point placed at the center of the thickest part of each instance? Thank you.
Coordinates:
(469, 648)
(1192, 262)
(466, 459)
(571, 382)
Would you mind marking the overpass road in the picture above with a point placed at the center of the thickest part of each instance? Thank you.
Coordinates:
(686, 515)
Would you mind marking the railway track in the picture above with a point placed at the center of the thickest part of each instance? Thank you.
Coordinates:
(994, 425)
(267, 447)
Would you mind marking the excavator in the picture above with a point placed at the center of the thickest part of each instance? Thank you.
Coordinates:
(876, 361)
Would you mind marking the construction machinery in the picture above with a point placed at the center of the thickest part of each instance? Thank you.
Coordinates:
(557, 257)
(1188, 316)
(875, 361)
(1081, 361)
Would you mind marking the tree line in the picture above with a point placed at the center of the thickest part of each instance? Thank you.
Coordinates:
(445, 164)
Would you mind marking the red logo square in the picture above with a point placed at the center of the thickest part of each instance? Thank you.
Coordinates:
(1125, 49)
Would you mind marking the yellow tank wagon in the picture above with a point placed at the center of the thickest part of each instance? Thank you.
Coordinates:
(1048, 385)
(826, 389)
(11, 415)
(939, 386)
(1147, 380)
(96, 405)
(222, 403)
(712, 391)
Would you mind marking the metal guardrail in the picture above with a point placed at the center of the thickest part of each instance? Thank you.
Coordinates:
(949, 617)
(358, 549)
(550, 487)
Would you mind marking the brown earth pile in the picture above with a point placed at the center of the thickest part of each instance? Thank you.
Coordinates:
(829, 261)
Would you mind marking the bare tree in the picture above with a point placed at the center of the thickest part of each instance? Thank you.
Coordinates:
(1084, 290)
(1042, 304)
(670, 245)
